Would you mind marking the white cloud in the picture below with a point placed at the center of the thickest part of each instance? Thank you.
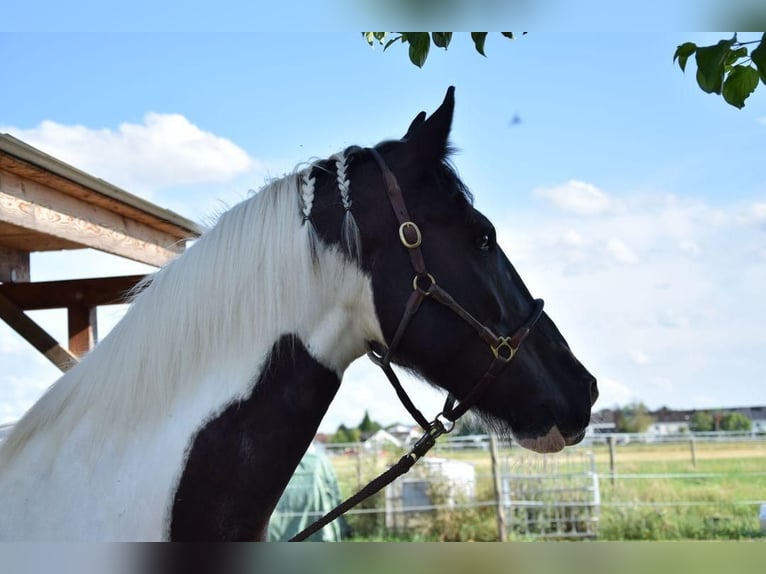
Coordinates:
(758, 213)
(577, 197)
(670, 318)
(10, 343)
(639, 357)
(365, 387)
(657, 281)
(19, 391)
(620, 251)
(164, 150)
(612, 392)
(689, 247)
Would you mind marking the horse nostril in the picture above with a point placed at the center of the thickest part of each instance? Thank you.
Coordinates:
(593, 392)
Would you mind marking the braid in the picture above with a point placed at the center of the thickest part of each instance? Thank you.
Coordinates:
(307, 194)
(307, 184)
(343, 184)
(352, 241)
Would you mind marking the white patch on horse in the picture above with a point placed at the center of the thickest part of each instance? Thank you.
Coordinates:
(100, 455)
(553, 441)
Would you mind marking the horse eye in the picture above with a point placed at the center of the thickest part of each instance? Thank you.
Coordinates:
(484, 242)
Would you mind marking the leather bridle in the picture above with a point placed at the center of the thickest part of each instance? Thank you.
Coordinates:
(424, 287)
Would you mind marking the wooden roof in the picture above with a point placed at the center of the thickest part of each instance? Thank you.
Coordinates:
(47, 204)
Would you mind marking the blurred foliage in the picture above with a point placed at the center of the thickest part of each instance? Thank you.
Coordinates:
(727, 68)
(735, 422)
(702, 421)
(420, 42)
(633, 418)
(345, 435)
(363, 430)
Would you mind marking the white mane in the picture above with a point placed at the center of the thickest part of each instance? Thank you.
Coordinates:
(223, 302)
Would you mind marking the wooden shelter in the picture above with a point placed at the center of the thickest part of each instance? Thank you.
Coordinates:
(48, 205)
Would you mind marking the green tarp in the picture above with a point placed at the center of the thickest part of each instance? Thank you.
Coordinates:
(311, 492)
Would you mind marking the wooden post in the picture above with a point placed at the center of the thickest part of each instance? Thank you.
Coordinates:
(35, 335)
(83, 331)
(502, 529)
(610, 441)
(693, 448)
(14, 266)
(358, 448)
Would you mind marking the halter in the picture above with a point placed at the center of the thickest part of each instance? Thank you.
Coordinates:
(424, 286)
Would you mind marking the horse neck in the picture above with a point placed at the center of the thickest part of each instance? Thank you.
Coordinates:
(218, 308)
(254, 447)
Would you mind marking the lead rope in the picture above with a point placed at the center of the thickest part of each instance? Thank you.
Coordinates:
(424, 444)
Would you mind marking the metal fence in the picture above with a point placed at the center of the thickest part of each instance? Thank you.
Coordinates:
(547, 496)
(567, 495)
(574, 494)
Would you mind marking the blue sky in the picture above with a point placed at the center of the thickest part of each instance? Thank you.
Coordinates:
(628, 199)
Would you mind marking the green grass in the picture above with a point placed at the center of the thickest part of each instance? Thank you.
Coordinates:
(689, 507)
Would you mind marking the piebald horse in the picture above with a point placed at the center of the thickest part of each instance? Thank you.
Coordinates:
(187, 421)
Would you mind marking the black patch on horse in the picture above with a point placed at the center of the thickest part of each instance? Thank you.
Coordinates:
(240, 461)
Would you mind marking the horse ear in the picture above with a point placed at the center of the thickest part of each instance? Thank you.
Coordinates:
(429, 140)
(416, 123)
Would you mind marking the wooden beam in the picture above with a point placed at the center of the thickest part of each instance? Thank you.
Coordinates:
(82, 323)
(44, 210)
(14, 265)
(29, 163)
(87, 293)
(35, 335)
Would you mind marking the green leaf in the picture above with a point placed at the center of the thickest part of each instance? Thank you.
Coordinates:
(683, 52)
(442, 39)
(508, 35)
(372, 36)
(739, 84)
(732, 58)
(393, 40)
(710, 66)
(735, 55)
(759, 58)
(478, 40)
(420, 43)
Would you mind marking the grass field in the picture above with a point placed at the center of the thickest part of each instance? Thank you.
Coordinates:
(657, 493)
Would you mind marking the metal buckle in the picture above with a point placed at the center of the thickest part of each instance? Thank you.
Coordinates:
(417, 287)
(403, 239)
(447, 425)
(428, 440)
(504, 343)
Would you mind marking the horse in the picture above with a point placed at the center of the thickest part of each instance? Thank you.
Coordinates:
(187, 421)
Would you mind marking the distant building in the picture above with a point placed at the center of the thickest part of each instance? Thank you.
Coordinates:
(405, 434)
(667, 421)
(379, 439)
(670, 421)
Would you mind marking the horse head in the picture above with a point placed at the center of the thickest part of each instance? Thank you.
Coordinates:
(543, 397)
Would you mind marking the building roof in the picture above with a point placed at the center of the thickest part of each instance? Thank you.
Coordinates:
(47, 204)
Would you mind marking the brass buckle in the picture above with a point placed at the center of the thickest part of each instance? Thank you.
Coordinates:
(508, 353)
(403, 239)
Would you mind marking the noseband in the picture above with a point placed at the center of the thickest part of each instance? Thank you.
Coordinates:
(424, 287)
